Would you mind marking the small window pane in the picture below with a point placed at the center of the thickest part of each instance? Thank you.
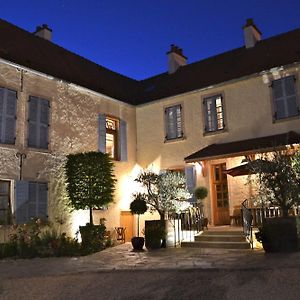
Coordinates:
(110, 144)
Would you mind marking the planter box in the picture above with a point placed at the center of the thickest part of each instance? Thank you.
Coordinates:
(281, 234)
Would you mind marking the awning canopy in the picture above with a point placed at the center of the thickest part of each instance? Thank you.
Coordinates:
(244, 147)
(240, 170)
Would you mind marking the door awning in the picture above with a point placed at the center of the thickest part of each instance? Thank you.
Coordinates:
(244, 147)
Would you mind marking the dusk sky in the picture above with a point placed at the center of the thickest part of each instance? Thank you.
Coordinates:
(132, 37)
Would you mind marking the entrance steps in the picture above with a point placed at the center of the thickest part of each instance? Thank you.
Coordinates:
(219, 240)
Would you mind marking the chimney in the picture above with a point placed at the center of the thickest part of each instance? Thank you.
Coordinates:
(176, 59)
(252, 35)
(44, 32)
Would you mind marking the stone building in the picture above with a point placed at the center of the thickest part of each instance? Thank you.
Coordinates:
(201, 119)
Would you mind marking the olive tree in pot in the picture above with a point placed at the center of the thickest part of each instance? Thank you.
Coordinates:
(138, 206)
(278, 181)
(164, 193)
(90, 185)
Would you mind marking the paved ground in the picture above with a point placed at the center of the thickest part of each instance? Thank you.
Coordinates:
(173, 273)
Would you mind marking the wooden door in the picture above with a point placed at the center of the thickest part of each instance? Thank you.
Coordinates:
(127, 222)
(220, 195)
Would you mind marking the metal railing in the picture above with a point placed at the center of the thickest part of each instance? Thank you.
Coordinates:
(186, 224)
(247, 222)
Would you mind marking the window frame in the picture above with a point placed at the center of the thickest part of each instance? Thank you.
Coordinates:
(205, 115)
(273, 105)
(166, 119)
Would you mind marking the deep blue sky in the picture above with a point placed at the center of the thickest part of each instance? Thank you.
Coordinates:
(132, 36)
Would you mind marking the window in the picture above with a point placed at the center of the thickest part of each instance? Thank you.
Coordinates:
(38, 123)
(113, 137)
(213, 113)
(8, 104)
(173, 122)
(285, 98)
(31, 201)
(5, 204)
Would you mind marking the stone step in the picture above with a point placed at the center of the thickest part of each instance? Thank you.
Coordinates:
(220, 238)
(217, 245)
(219, 232)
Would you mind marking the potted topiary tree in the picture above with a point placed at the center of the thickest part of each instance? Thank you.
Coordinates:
(90, 185)
(278, 181)
(138, 206)
(201, 193)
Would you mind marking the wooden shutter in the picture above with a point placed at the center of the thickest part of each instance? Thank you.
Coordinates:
(21, 201)
(8, 104)
(32, 199)
(38, 123)
(190, 175)
(42, 203)
(291, 98)
(102, 133)
(123, 141)
(43, 123)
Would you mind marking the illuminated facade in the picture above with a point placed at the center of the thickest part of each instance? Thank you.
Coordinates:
(170, 121)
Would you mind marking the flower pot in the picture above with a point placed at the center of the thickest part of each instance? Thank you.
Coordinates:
(280, 234)
(137, 243)
(153, 244)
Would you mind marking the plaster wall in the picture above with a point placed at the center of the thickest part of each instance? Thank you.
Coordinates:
(73, 128)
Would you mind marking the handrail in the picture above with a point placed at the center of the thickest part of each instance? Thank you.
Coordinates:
(247, 221)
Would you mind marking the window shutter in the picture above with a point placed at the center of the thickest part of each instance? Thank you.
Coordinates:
(123, 141)
(32, 122)
(102, 133)
(43, 124)
(291, 98)
(8, 104)
(42, 203)
(190, 175)
(206, 126)
(21, 201)
(279, 100)
(38, 123)
(32, 199)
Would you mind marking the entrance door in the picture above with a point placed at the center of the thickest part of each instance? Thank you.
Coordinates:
(220, 195)
(127, 222)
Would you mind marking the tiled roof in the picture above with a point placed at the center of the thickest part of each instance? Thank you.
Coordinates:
(28, 50)
(279, 50)
(266, 143)
(24, 48)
